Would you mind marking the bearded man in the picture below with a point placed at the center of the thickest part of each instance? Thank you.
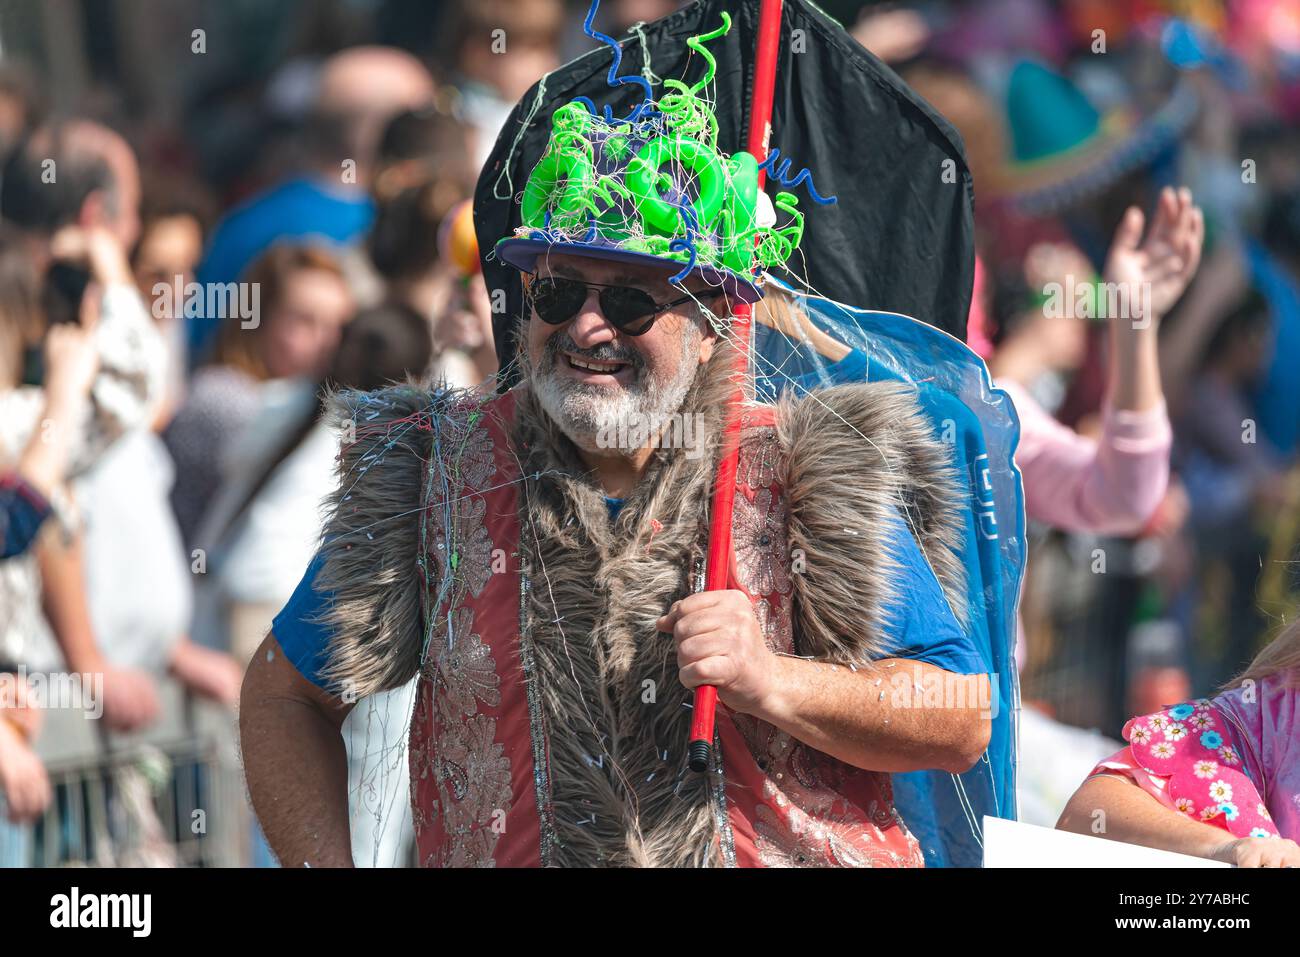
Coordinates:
(537, 559)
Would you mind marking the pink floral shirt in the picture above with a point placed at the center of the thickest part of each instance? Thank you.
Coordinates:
(1232, 761)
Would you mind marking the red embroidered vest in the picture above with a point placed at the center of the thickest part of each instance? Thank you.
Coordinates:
(480, 776)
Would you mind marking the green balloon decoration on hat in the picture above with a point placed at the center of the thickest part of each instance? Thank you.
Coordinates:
(656, 183)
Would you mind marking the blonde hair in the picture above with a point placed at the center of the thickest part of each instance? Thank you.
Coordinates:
(1281, 656)
(21, 317)
(780, 310)
(777, 308)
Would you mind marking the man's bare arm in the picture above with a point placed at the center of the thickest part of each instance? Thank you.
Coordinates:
(894, 715)
(63, 599)
(897, 716)
(295, 761)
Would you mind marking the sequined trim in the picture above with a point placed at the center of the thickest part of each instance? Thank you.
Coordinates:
(458, 745)
(763, 462)
(759, 541)
(536, 729)
(721, 813)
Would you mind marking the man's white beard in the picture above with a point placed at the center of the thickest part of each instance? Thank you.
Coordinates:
(583, 412)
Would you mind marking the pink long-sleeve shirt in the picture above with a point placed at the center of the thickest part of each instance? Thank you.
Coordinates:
(1110, 486)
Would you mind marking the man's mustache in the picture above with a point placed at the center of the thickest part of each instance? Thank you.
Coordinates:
(605, 352)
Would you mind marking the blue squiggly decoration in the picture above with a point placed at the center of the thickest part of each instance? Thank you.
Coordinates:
(683, 246)
(614, 79)
(636, 118)
(545, 232)
(687, 209)
(805, 175)
(686, 244)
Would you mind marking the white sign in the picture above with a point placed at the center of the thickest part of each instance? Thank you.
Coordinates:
(1013, 844)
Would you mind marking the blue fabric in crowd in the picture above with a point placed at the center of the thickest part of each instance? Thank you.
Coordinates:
(300, 209)
(1278, 398)
(22, 511)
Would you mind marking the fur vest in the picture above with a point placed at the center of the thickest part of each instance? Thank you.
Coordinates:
(469, 544)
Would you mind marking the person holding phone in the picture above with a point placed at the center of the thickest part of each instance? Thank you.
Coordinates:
(67, 244)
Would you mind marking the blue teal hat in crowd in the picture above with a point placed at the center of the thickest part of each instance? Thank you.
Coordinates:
(1064, 150)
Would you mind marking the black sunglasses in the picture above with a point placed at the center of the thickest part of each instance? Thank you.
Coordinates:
(630, 310)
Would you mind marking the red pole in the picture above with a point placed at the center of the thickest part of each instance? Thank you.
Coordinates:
(724, 486)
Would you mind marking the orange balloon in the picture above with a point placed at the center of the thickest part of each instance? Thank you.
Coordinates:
(456, 239)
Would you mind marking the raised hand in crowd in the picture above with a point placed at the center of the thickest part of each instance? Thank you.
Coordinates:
(1164, 262)
(71, 362)
(1155, 271)
(98, 250)
(466, 324)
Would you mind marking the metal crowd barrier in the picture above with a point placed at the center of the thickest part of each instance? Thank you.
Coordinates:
(171, 796)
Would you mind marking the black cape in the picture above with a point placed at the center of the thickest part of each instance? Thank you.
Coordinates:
(900, 238)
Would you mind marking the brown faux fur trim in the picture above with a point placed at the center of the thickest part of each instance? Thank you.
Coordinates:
(371, 540)
(620, 790)
(875, 433)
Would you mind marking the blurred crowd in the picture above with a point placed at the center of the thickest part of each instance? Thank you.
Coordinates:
(207, 230)
(1158, 444)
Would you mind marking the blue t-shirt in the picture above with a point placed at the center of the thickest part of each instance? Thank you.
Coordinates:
(918, 619)
(919, 623)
